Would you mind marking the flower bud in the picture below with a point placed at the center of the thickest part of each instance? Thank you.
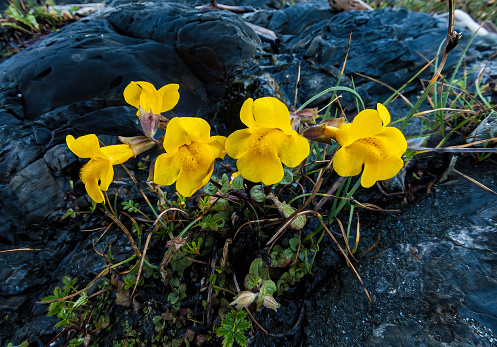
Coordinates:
(138, 144)
(244, 299)
(269, 302)
(149, 122)
(325, 131)
(305, 115)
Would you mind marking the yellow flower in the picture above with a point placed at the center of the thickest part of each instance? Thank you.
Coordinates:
(368, 141)
(143, 94)
(190, 155)
(268, 141)
(99, 168)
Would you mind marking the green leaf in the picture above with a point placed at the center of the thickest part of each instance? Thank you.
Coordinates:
(180, 265)
(294, 243)
(287, 177)
(156, 320)
(210, 189)
(240, 338)
(69, 213)
(257, 193)
(172, 298)
(81, 300)
(174, 282)
(233, 328)
(237, 182)
(270, 287)
(251, 281)
(225, 182)
(256, 265)
(228, 340)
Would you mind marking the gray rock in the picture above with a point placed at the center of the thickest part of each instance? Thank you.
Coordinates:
(59, 157)
(13, 302)
(20, 280)
(213, 44)
(38, 193)
(430, 277)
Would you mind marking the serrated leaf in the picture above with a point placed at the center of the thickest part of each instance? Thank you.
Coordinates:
(237, 182)
(228, 340)
(241, 339)
(225, 182)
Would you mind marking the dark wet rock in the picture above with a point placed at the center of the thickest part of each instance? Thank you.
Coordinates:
(89, 60)
(12, 302)
(35, 153)
(213, 44)
(430, 277)
(59, 157)
(9, 214)
(38, 193)
(18, 150)
(20, 279)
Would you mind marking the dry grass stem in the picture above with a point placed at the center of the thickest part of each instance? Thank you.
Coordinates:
(20, 250)
(125, 230)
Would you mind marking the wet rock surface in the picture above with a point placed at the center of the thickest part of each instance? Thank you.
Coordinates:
(72, 83)
(431, 277)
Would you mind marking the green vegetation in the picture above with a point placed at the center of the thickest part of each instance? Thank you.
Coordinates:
(30, 19)
(233, 328)
(480, 10)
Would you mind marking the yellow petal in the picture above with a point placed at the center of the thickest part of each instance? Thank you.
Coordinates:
(95, 170)
(247, 113)
(207, 177)
(260, 151)
(218, 142)
(383, 112)
(117, 154)
(85, 146)
(166, 169)
(94, 191)
(348, 160)
(106, 176)
(189, 181)
(237, 143)
(169, 97)
(366, 124)
(293, 149)
(149, 97)
(182, 131)
(380, 170)
(197, 164)
(269, 112)
(132, 94)
(261, 168)
(393, 139)
(191, 165)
